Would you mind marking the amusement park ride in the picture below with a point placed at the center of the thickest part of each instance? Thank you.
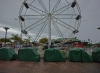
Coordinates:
(59, 18)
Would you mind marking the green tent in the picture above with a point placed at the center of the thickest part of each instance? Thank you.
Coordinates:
(96, 55)
(7, 54)
(79, 55)
(28, 54)
(54, 55)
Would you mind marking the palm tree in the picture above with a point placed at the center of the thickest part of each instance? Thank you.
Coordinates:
(16, 38)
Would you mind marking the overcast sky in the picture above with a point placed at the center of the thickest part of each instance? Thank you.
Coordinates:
(90, 11)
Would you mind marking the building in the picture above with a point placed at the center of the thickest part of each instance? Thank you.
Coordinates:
(71, 42)
(78, 44)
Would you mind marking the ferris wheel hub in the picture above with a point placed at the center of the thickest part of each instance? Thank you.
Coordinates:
(49, 14)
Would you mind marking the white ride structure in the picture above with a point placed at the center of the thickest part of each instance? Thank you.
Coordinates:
(39, 17)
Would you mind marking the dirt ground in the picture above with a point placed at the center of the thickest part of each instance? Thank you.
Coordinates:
(48, 67)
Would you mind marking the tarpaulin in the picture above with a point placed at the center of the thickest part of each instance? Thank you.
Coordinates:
(79, 55)
(28, 54)
(96, 54)
(54, 55)
(7, 54)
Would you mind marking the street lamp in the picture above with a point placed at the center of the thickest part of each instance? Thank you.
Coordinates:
(89, 42)
(6, 28)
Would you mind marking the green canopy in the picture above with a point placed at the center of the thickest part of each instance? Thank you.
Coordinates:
(54, 55)
(7, 54)
(79, 55)
(28, 54)
(96, 54)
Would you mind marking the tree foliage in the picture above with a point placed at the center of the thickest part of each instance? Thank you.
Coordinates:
(16, 38)
(26, 41)
(3, 40)
(43, 40)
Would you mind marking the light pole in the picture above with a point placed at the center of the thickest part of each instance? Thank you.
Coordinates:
(6, 28)
(98, 28)
(89, 42)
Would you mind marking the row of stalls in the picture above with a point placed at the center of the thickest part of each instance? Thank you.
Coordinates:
(14, 45)
(50, 55)
(74, 42)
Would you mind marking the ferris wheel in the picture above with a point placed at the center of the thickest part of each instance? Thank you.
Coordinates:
(55, 18)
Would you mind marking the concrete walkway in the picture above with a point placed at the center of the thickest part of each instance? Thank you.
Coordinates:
(48, 67)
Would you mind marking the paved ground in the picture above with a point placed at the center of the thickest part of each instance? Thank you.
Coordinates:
(48, 67)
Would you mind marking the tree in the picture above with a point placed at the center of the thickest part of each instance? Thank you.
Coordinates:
(3, 40)
(43, 40)
(26, 41)
(16, 38)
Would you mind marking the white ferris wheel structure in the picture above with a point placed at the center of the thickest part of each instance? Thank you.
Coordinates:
(60, 18)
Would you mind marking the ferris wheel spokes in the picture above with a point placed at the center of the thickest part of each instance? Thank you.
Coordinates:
(27, 35)
(37, 25)
(40, 32)
(66, 1)
(32, 7)
(65, 16)
(32, 1)
(66, 6)
(34, 15)
(58, 30)
(64, 22)
(63, 25)
(31, 17)
(43, 6)
(36, 9)
(36, 22)
(56, 5)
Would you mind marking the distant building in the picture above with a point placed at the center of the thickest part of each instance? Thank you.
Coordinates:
(78, 44)
(8, 44)
(71, 42)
